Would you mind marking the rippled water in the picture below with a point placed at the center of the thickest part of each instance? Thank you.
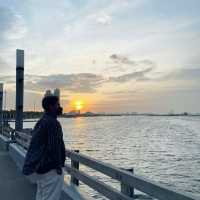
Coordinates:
(163, 149)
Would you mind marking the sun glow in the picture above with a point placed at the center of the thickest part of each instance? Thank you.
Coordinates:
(78, 105)
(82, 103)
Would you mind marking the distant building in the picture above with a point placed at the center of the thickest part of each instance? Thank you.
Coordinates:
(57, 92)
(72, 113)
(89, 114)
(48, 93)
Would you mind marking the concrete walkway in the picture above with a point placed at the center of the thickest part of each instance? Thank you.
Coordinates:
(13, 185)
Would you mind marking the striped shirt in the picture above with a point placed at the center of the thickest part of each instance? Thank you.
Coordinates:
(47, 149)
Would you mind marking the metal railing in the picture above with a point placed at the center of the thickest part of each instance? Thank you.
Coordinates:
(7, 131)
(23, 139)
(128, 180)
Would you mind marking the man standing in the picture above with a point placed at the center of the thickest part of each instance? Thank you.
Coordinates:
(46, 154)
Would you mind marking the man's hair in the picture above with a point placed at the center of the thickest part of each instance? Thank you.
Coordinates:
(49, 100)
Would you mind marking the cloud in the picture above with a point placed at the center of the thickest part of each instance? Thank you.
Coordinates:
(104, 19)
(184, 74)
(18, 30)
(81, 83)
(90, 82)
(131, 69)
(138, 76)
(12, 25)
(121, 63)
(123, 94)
(116, 58)
(7, 79)
(120, 59)
(6, 21)
(3, 65)
(12, 29)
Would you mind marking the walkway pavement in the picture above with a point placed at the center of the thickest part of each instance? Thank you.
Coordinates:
(13, 185)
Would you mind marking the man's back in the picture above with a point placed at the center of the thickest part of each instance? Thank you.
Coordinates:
(46, 150)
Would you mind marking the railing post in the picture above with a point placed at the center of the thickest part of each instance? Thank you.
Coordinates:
(126, 189)
(75, 165)
(13, 135)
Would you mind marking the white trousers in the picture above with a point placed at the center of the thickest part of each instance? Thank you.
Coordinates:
(49, 185)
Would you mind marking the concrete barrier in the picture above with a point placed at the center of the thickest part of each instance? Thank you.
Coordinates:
(4, 142)
(69, 192)
(18, 154)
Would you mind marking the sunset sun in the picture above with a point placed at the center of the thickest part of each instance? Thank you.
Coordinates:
(78, 105)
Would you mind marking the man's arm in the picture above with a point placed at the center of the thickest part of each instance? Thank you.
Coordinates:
(36, 148)
(54, 144)
(63, 153)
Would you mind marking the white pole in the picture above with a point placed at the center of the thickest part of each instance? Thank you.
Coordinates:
(5, 100)
(19, 89)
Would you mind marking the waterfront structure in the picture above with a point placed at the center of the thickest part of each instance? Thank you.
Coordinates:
(73, 113)
(57, 93)
(48, 93)
(19, 89)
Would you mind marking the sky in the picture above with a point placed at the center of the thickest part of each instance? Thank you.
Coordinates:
(113, 55)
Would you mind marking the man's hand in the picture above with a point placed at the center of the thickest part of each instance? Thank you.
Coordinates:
(59, 171)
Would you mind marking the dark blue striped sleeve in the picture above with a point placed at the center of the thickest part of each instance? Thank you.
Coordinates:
(53, 144)
(36, 148)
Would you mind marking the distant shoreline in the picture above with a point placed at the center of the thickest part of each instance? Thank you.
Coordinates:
(10, 115)
(115, 115)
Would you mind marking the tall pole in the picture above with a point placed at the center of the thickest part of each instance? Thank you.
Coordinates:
(1, 106)
(4, 105)
(19, 89)
(5, 100)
